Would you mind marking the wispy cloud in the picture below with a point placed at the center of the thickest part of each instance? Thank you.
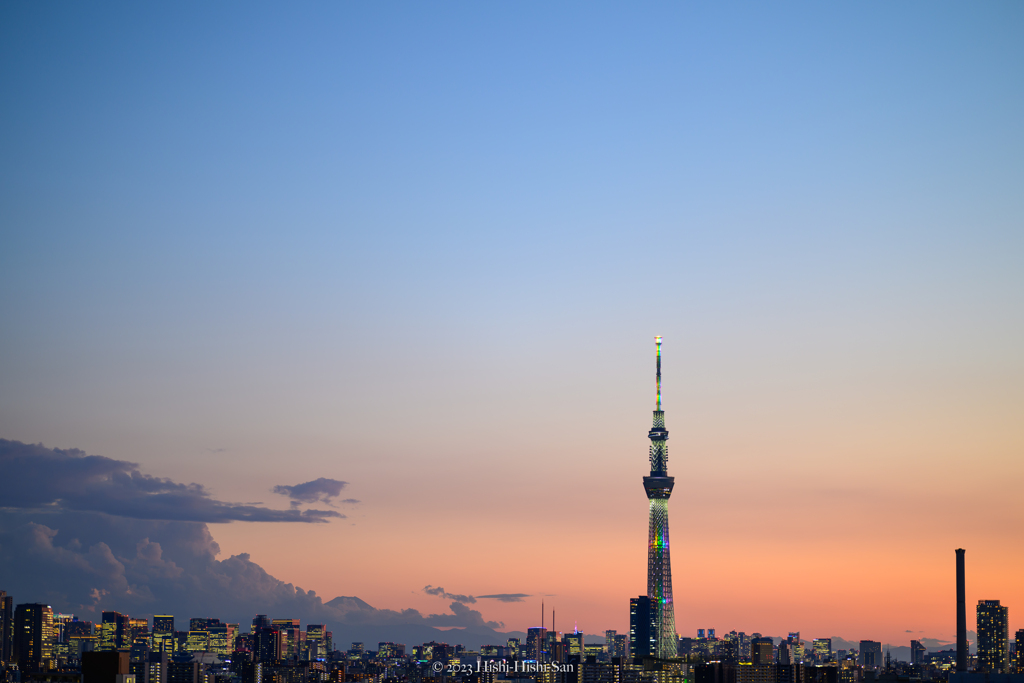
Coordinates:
(506, 597)
(441, 592)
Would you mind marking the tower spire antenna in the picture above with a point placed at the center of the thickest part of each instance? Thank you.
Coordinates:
(659, 565)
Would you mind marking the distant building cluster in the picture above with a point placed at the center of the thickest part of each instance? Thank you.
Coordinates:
(39, 646)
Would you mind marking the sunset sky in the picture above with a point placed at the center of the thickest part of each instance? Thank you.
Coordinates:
(424, 249)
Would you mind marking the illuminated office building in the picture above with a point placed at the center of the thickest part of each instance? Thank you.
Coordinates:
(616, 644)
(659, 565)
(796, 646)
(115, 631)
(316, 642)
(822, 649)
(535, 638)
(33, 637)
(917, 653)
(197, 641)
(163, 633)
(291, 638)
(573, 645)
(993, 637)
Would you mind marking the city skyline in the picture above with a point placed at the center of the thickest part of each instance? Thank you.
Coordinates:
(381, 284)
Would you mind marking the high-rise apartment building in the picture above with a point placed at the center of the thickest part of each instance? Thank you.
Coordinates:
(33, 637)
(156, 667)
(822, 650)
(993, 637)
(266, 644)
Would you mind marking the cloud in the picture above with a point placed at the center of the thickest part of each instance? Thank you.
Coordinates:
(350, 501)
(40, 478)
(441, 592)
(317, 491)
(87, 562)
(462, 616)
(506, 597)
(86, 533)
(321, 513)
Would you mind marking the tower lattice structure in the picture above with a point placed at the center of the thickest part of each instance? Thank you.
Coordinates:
(659, 565)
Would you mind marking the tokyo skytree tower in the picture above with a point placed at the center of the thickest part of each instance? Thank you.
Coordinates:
(659, 566)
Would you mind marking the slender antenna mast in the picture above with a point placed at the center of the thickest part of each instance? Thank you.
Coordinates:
(657, 340)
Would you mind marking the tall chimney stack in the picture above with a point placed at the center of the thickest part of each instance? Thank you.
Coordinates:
(961, 613)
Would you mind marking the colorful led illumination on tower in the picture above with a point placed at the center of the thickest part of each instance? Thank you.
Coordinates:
(659, 566)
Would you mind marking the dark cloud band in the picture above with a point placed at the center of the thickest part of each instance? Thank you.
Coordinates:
(37, 477)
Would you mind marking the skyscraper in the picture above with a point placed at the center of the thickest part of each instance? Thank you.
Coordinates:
(6, 627)
(642, 629)
(917, 653)
(163, 633)
(535, 638)
(993, 637)
(115, 632)
(659, 566)
(762, 651)
(33, 637)
(870, 654)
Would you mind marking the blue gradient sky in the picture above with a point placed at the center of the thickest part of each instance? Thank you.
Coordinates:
(419, 247)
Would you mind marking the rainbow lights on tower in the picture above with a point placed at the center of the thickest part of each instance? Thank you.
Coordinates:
(659, 566)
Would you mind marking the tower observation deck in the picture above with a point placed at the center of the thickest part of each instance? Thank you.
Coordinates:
(659, 566)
